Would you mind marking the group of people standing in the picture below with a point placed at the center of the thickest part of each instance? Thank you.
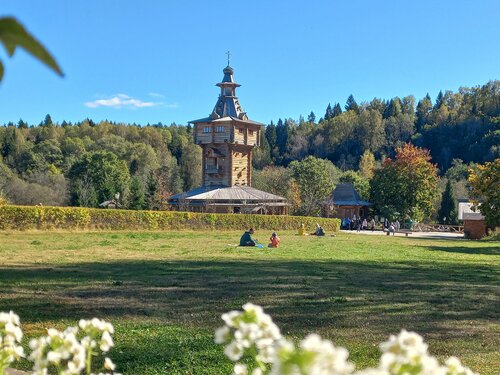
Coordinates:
(391, 227)
(358, 223)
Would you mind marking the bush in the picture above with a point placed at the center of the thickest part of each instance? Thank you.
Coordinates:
(3, 199)
(36, 217)
(494, 235)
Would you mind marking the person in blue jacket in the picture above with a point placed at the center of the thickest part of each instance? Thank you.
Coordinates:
(247, 240)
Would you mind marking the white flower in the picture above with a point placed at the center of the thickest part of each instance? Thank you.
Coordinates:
(108, 364)
(54, 357)
(406, 343)
(13, 330)
(9, 317)
(10, 335)
(222, 335)
(253, 309)
(327, 359)
(240, 369)
(453, 366)
(233, 351)
(106, 342)
(230, 317)
(58, 348)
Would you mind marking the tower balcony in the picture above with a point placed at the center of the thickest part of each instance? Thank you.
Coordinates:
(213, 169)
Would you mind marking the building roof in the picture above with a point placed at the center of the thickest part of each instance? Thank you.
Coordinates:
(225, 119)
(228, 105)
(109, 203)
(472, 216)
(346, 195)
(220, 194)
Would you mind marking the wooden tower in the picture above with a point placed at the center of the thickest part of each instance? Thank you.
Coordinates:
(227, 138)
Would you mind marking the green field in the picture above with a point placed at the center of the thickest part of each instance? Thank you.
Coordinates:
(165, 292)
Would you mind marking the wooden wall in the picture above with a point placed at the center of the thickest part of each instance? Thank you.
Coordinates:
(235, 145)
(222, 178)
(240, 167)
(249, 134)
(213, 136)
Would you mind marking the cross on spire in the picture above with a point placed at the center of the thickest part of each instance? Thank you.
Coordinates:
(228, 53)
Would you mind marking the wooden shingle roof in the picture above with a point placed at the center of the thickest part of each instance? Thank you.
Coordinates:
(346, 195)
(246, 194)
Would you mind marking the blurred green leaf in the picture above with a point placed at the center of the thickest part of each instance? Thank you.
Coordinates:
(13, 35)
(1, 70)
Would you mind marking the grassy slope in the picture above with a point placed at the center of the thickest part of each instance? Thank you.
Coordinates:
(165, 292)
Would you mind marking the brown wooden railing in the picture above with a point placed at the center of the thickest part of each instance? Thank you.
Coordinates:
(420, 227)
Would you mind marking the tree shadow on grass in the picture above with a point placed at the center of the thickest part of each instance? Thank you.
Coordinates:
(302, 296)
(489, 250)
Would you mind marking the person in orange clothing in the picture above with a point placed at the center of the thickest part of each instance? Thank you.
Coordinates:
(275, 240)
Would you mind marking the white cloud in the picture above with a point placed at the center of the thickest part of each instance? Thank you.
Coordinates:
(156, 95)
(121, 101)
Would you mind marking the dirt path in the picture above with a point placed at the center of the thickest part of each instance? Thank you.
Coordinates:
(434, 235)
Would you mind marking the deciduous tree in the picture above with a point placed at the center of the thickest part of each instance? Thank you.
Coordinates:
(314, 183)
(100, 171)
(406, 185)
(485, 183)
(360, 183)
(367, 165)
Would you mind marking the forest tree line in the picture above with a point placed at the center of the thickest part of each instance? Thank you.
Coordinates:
(85, 163)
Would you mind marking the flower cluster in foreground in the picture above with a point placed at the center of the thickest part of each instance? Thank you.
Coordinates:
(10, 339)
(71, 351)
(68, 352)
(251, 335)
(252, 341)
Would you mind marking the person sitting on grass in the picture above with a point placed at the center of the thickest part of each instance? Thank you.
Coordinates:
(275, 240)
(247, 240)
(302, 230)
(319, 231)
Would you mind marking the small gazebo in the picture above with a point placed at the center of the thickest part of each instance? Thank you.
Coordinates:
(235, 199)
(346, 202)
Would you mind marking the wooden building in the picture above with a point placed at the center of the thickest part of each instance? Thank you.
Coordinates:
(227, 138)
(474, 225)
(346, 202)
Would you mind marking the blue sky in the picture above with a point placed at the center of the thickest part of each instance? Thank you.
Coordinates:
(152, 61)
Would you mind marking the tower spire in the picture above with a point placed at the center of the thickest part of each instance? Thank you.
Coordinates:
(228, 53)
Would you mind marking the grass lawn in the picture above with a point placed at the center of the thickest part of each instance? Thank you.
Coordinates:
(165, 292)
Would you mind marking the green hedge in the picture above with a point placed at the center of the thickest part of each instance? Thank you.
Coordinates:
(34, 217)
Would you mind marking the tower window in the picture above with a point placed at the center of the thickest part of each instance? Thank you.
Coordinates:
(219, 129)
(250, 132)
(240, 130)
(206, 129)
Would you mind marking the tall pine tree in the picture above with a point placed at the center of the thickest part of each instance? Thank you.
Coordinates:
(448, 211)
(351, 104)
(281, 136)
(311, 118)
(439, 100)
(153, 199)
(329, 112)
(137, 199)
(337, 110)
